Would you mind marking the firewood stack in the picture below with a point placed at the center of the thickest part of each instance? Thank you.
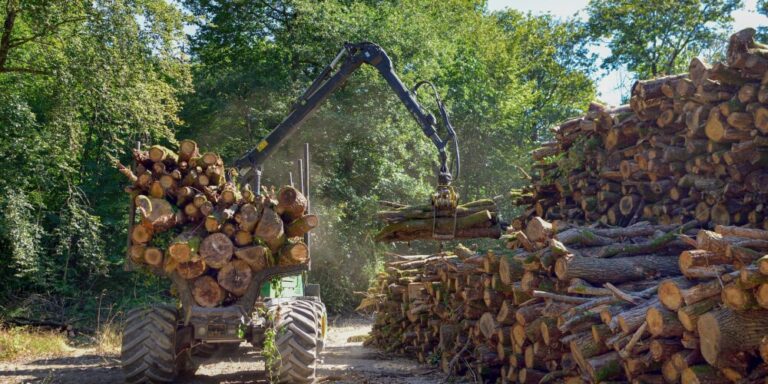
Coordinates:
(688, 146)
(647, 303)
(192, 220)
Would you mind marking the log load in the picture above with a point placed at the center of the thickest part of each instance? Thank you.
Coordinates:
(471, 220)
(192, 222)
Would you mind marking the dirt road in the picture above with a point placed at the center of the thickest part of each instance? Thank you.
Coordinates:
(342, 362)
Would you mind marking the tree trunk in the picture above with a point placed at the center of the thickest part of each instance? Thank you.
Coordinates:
(235, 277)
(291, 204)
(293, 253)
(301, 226)
(216, 250)
(398, 231)
(156, 214)
(663, 322)
(615, 270)
(689, 314)
(669, 292)
(141, 234)
(258, 257)
(724, 332)
(153, 256)
(207, 292)
(248, 216)
(188, 150)
(270, 229)
(185, 245)
(191, 269)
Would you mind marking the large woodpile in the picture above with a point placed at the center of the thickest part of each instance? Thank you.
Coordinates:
(693, 145)
(640, 257)
(191, 219)
(645, 303)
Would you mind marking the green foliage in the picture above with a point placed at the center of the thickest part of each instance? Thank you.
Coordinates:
(762, 31)
(272, 358)
(81, 81)
(659, 37)
(20, 234)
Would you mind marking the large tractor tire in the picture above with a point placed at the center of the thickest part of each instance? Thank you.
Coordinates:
(299, 326)
(148, 352)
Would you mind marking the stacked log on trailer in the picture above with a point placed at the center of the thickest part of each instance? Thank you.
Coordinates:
(688, 146)
(192, 220)
(644, 304)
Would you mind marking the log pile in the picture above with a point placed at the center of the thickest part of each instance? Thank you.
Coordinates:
(192, 220)
(640, 257)
(475, 219)
(688, 146)
(647, 303)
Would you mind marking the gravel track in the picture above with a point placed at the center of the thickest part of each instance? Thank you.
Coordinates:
(342, 362)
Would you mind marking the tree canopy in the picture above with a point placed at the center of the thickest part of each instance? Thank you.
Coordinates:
(659, 37)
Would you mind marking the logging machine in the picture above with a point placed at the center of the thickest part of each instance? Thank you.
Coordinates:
(278, 312)
(350, 58)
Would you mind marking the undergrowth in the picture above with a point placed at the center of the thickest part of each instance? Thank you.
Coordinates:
(23, 342)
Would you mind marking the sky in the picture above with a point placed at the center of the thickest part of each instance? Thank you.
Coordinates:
(609, 85)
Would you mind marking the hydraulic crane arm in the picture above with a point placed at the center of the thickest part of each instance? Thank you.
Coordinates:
(354, 56)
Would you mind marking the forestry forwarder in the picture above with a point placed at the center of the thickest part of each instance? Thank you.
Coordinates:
(290, 310)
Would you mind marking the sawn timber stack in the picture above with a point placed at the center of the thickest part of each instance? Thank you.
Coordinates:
(192, 220)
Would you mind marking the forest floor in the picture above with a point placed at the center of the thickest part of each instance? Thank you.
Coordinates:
(343, 361)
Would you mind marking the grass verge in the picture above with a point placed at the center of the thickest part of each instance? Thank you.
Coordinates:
(22, 342)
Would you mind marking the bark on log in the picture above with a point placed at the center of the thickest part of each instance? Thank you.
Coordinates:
(270, 229)
(258, 257)
(398, 231)
(301, 226)
(291, 203)
(725, 332)
(689, 314)
(663, 323)
(615, 270)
